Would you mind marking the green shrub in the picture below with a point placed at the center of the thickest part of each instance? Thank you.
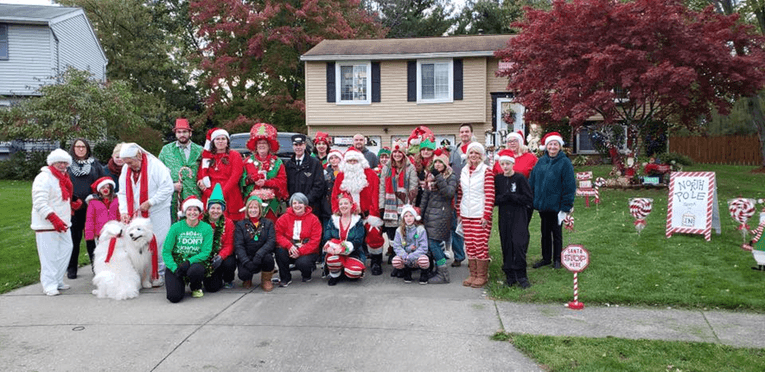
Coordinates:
(667, 158)
(23, 165)
(103, 150)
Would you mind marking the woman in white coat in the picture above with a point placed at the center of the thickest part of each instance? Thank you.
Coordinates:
(51, 219)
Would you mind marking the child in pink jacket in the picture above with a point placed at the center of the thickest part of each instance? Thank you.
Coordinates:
(102, 208)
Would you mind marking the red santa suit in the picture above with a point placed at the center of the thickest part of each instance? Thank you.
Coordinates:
(364, 191)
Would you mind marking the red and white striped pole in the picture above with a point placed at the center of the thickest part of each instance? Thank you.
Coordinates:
(576, 305)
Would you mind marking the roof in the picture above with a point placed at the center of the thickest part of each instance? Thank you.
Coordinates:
(424, 47)
(33, 14)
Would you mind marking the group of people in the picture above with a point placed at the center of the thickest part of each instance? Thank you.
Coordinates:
(216, 214)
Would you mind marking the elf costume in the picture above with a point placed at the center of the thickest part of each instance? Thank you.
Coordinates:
(182, 168)
(269, 168)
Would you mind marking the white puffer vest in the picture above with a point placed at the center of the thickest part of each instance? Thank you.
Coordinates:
(473, 198)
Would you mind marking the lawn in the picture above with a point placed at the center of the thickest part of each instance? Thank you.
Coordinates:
(616, 354)
(683, 271)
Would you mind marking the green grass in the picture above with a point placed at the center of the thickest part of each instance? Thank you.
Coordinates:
(616, 354)
(683, 271)
(20, 265)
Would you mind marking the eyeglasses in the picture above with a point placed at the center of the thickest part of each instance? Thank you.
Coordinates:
(80, 147)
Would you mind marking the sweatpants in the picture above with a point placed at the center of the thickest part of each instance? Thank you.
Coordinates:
(54, 250)
(306, 264)
(175, 285)
(552, 236)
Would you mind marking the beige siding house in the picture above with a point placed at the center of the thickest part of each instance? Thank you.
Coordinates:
(384, 88)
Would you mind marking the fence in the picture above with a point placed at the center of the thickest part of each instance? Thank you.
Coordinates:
(739, 150)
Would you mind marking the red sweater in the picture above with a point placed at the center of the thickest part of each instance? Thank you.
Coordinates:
(227, 175)
(523, 164)
(310, 229)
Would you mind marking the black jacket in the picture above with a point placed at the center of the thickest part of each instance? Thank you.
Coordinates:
(308, 178)
(245, 245)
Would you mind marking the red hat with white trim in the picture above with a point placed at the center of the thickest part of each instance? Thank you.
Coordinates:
(101, 182)
(505, 155)
(192, 201)
(209, 150)
(335, 152)
(515, 135)
(552, 136)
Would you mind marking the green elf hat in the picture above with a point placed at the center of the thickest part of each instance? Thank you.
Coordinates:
(217, 197)
(427, 144)
(385, 150)
(256, 199)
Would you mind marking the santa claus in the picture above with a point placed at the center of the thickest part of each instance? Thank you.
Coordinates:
(362, 183)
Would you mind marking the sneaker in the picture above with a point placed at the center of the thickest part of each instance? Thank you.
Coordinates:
(52, 292)
(159, 282)
(457, 263)
(285, 284)
(197, 293)
(307, 280)
(424, 276)
(64, 286)
(228, 285)
(407, 275)
(448, 255)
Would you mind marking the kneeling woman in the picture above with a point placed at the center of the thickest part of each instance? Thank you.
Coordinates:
(343, 236)
(220, 267)
(254, 242)
(411, 246)
(187, 246)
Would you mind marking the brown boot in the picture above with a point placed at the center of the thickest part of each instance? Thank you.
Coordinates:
(265, 281)
(472, 267)
(247, 284)
(482, 273)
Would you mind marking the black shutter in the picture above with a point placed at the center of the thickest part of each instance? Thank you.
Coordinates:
(411, 81)
(457, 79)
(330, 81)
(375, 81)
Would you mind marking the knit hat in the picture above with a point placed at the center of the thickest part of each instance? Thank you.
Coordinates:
(515, 135)
(217, 197)
(181, 124)
(264, 131)
(322, 137)
(427, 144)
(383, 151)
(413, 210)
(398, 145)
(552, 136)
(192, 201)
(101, 182)
(58, 155)
(477, 147)
(335, 152)
(440, 155)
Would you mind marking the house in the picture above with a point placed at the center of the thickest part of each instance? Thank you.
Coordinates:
(40, 42)
(384, 88)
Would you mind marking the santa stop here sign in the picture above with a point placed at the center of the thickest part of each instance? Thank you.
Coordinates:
(575, 258)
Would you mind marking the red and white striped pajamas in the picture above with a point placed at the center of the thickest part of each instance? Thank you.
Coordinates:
(477, 237)
(351, 266)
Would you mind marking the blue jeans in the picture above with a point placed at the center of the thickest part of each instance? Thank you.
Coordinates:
(435, 248)
(458, 243)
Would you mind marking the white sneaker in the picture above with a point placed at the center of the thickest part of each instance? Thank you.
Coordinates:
(448, 255)
(159, 282)
(64, 286)
(52, 292)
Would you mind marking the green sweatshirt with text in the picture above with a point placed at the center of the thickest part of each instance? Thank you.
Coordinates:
(186, 243)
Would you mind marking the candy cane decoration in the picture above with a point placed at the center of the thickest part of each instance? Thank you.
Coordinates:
(568, 222)
(640, 208)
(180, 179)
(599, 182)
(741, 209)
(576, 305)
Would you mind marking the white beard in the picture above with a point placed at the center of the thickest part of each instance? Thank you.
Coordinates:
(354, 179)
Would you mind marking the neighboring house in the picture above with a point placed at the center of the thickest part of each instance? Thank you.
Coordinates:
(384, 88)
(40, 42)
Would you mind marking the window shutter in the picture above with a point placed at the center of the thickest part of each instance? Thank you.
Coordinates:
(330, 81)
(375, 81)
(457, 79)
(411, 81)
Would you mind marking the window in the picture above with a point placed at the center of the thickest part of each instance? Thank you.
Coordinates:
(3, 41)
(353, 80)
(584, 141)
(434, 81)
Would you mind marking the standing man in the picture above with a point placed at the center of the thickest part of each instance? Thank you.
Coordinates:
(305, 174)
(360, 143)
(457, 159)
(180, 157)
(146, 189)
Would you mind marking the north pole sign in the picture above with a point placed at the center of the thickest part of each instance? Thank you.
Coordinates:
(575, 258)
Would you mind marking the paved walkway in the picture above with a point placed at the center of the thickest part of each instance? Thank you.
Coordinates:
(376, 324)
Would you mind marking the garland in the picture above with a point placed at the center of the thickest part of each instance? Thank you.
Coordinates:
(218, 231)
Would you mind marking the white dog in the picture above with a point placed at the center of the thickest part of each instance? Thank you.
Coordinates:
(116, 279)
(140, 234)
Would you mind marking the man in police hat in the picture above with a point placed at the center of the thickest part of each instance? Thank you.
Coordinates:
(305, 174)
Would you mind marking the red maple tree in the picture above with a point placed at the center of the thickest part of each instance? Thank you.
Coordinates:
(251, 55)
(631, 62)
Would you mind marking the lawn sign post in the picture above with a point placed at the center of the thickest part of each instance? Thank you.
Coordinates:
(575, 258)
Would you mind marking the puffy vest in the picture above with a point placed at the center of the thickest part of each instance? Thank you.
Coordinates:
(473, 197)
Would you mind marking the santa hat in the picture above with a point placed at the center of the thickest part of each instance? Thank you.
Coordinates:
(475, 146)
(322, 137)
(181, 124)
(505, 155)
(413, 210)
(375, 239)
(209, 150)
(217, 197)
(384, 151)
(354, 153)
(398, 145)
(515, 135)
(59, 155)
(427, 144)
(440, 155)
(192, 201)
(264, 131)
(101, 182)
(335, 152)
(552, 136)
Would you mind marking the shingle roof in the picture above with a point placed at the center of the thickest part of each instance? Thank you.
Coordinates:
(453, 46)
(32, 14)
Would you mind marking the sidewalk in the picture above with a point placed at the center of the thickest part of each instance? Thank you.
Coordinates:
(376, 324)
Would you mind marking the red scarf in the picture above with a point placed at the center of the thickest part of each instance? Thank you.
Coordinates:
(64, 182)
(399, 180)
(113, 167)
(255, 221)
(144, 187)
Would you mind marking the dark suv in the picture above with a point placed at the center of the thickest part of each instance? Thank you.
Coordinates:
(239, 143)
